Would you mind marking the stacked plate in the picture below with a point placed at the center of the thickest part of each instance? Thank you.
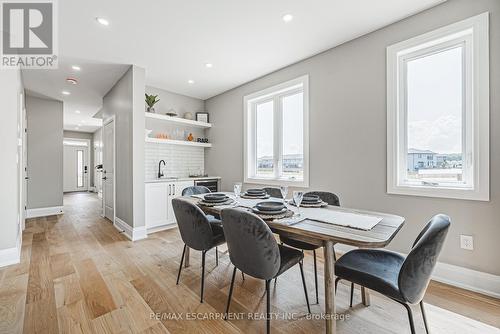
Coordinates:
(269, 208)
(215, 199)
(255, 193)
(311, 201)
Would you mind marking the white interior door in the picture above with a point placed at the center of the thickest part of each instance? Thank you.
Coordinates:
(108, 171)
(76, 169)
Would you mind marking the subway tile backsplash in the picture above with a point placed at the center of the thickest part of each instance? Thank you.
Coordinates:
(181, 160)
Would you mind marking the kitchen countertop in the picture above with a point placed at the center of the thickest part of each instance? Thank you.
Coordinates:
(183, 179)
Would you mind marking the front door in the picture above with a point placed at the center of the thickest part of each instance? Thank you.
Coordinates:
(108, 170)
(76, 169)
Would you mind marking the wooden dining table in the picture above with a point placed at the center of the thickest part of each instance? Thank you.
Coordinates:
(326, 235)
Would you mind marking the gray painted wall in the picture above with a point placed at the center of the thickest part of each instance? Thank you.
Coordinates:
(180, 103)
(348, 129)
(125, 101)
(45, 152)
(89, 136)
(10, 88)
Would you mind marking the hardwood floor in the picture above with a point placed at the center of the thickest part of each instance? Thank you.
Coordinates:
(78, 274)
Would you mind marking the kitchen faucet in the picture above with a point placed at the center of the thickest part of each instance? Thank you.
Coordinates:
(160, 173)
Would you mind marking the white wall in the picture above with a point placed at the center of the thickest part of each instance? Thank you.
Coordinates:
(10, 89)
(45, 152)
(348, 134)
(180, 103)
(125, 101)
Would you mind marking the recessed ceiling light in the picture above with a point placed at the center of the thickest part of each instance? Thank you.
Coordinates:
(76, 68)
(65, 92)
(72, 81)
(287, 17)
(209, 65)
(77, 111)
(190, 82)
(102, 21)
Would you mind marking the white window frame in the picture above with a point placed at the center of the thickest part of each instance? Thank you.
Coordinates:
(472, 33)
(275, 93)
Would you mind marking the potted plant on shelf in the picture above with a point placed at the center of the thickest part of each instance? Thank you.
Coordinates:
(151, 100)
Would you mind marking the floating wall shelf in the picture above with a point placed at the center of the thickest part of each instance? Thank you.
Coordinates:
(178, 120)
(177, 142)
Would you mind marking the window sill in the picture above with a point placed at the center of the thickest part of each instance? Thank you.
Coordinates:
(440, 192)
(277, 182)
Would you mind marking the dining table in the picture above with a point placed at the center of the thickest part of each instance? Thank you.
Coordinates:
(324, 235)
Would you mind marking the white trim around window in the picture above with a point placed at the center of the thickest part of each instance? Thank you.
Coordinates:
(472, 36)
(276, 94)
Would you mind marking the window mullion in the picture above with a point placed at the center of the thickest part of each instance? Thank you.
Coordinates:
(278, 137)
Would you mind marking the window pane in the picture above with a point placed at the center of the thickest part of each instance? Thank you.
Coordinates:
(265, 139)
(435, 104)
(293, 136)
(79, 168)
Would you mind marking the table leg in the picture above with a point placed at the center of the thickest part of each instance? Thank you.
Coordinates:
(329, 288)
(186, 258)
(365, 296)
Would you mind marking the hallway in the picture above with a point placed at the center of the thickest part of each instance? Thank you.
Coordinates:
(78, 274)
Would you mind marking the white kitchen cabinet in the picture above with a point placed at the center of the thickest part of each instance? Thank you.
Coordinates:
(158, 198)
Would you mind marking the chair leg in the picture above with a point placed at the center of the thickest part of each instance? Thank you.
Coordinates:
(230, 294)
(268, 308)
(352, 293)
(216, 256)
(424, 316)
(202, 274)
(336, 283)
(410, 318)
(316, 277)
(304, 284)
(180, 267)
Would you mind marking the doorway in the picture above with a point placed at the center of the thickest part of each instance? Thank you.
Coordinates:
(108, 169)
(76, 165)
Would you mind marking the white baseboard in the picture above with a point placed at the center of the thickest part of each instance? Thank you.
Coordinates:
(461, 277)
(161, 228)
(12, 255)
(42, 212)
(134, 234)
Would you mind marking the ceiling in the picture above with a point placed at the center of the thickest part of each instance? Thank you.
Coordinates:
(85, 99)
(243, 40)
(173, 40)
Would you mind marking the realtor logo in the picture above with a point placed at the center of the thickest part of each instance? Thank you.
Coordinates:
(29, 34)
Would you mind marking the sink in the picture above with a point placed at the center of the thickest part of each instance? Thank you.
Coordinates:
(168, 178)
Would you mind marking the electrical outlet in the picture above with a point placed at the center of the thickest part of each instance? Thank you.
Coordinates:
(467, 242)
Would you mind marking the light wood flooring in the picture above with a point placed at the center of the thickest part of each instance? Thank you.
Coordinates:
(78, 274)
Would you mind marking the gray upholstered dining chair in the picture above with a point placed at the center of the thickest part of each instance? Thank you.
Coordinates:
(403, 279)
(197, 232)
(195, 190)
(331, 199)
(273, 192)
(254, 251)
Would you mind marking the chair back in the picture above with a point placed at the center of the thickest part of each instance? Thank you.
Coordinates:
(273, 192)
(251, 244)
(325, 196)
(194, 227)
(195, 190)
(417, 268)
